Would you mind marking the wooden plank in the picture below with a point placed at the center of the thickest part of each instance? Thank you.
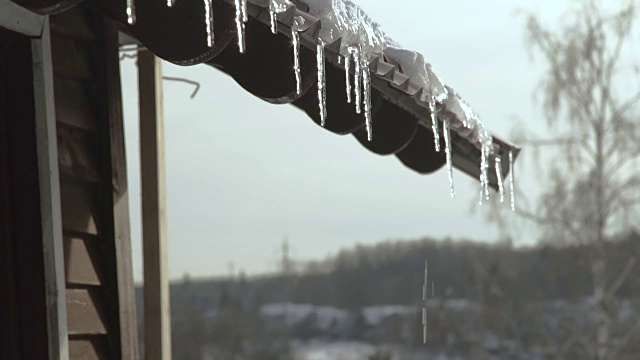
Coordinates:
(50, 204)
(126, 291)
(74, 104)
(85, 315)
(81, 262)
(80, 208)
(71, 59)
(154, 234)
(93, 348)
(78, 154)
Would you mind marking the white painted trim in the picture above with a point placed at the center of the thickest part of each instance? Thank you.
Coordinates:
(157, 314)
(19, 19)
(50, 206)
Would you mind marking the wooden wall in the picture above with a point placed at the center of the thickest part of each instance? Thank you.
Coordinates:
(99, 286)
(23, 321)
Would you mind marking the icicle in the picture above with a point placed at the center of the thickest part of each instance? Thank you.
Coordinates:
(434, 123)
(322, 94)
(169, 3)
(240, 26)
(512, 182)
(447, 142)
(347, 74)
(131, 12)
(499, 177)
(296, 57)
(487, 194)
(484, 171)
(339, 60)
(272, 15)
(208, 13)
(424, 299)
(366, 84)
(356, 80)
(245, 14)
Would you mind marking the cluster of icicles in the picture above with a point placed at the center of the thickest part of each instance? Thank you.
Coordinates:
(341, 18)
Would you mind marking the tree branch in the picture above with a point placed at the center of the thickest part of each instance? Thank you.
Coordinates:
(550, 221)
(621, 278)
(626, 106)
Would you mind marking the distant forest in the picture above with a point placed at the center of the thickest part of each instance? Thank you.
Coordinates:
(530, 300)
(393, 273)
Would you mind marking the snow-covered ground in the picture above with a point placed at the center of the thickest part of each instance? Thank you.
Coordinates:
(293, 314)
(333, 351)
(353, 350)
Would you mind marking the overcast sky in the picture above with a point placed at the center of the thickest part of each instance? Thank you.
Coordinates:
(241, 173)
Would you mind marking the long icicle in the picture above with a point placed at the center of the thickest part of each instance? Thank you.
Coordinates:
(240, 26)
(447, 143)
(512, 182)
(322, 95)
(424, 299)
(296, 57)
(366, 84)
(356, 80)
(131, 12)
(347, 74)
(434, 123)
(273, 15)
(208, 13)
(499, 177)
(245, 14)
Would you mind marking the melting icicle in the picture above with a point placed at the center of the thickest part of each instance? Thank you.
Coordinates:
(208, 13)
(424, 299)
(366, 84)
(499, 177)
(245, 14)
(447, 143)
(296, 57)
(356, 80)
(512, 182)
(131, 12)
(434, 123)
(240, 26)
(484, 172)
(272, 14)
(487, 194)
(347, 74)
(322, 93)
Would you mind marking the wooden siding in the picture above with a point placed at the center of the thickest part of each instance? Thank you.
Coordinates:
(86, 67)
(23, 320)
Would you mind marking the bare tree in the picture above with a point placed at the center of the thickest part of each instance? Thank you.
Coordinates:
(590, 98)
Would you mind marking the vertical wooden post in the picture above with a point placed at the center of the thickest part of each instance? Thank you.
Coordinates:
(121, 226)
(50, 206)
(157, 316)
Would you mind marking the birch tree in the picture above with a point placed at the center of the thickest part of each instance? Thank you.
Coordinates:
(590, 95)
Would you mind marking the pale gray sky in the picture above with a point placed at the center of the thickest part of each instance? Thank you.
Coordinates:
(241, 173)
